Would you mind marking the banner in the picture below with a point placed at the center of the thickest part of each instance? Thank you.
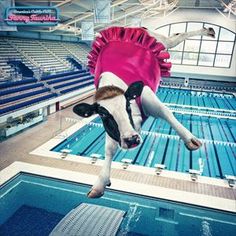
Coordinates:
(87, 29)
(4, 5)
(32, 16)
(102, 11)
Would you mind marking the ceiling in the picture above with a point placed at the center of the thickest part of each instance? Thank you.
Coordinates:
(73, 12)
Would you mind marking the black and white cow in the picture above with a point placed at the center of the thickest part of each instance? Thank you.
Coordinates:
(115, 102)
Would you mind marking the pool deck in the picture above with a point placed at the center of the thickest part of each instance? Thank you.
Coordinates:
(179, 187)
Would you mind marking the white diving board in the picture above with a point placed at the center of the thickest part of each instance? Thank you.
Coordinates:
(88, 220)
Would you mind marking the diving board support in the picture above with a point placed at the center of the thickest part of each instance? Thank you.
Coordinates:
(88, 220)
(159, 168)
(231, 180)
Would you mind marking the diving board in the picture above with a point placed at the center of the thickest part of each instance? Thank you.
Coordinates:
(89, 219)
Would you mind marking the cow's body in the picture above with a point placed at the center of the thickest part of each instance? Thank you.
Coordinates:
(120, 57)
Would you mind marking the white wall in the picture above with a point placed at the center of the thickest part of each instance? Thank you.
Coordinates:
(209, 16)
(52, 108)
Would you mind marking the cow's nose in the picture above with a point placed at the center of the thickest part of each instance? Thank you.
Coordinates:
(132, 141)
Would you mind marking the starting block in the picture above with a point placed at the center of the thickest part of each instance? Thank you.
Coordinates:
(95, 157)
(64, 153)
(159, 168)
(231, 180)
(194, 174)
(126, 163)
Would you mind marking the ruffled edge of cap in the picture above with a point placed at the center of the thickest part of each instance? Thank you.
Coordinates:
(138, 36)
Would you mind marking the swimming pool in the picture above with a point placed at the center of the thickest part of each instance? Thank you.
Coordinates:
(210, 116)
(33, 205)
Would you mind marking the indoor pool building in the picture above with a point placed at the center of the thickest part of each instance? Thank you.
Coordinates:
(55, 174)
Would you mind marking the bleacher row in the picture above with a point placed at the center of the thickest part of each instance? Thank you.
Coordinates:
(20, 94)
(39, 55)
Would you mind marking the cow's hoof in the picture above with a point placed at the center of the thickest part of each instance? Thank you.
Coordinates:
(93, 193)
(211, 32)
(193, 144)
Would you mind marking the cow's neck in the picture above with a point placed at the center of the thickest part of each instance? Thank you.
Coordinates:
(108, 79)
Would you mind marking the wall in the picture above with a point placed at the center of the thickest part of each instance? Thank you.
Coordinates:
(52, 108)
(209, 16)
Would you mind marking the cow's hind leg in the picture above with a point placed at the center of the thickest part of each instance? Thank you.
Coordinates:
(154, 107)
(103, 179)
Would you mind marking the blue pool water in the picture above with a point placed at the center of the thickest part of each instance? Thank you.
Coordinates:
(160, 142)
(33, 205)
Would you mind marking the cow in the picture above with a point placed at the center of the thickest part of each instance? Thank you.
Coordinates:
(128, 64)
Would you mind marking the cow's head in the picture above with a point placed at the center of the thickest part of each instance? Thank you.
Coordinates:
(113, 106)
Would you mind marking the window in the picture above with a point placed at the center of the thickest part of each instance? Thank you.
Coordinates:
(177, 28)
(222, 60)
(176, 57)
(201, 50)
(193, 26)
(179, 47)
(164, 30)
(208, 46)
(192, 45)
(206, 59)
(226, 35)
(225, 47)
(190, 58)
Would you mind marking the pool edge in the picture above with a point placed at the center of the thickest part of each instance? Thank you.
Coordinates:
(196, 199)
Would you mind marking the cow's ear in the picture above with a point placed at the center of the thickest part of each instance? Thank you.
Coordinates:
(134, 90)
(85, 110)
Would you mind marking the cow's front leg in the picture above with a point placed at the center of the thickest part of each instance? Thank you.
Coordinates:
(154, 107)
(103, 179)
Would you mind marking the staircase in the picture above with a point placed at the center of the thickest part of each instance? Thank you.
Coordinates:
(74, 63)
(23, 69)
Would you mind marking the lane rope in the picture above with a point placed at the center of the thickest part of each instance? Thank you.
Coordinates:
(173, 137)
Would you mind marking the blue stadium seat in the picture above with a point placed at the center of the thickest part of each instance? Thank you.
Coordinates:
(18, 97)
(12, 84)
(27, 103)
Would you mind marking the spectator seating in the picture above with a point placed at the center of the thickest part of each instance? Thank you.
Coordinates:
(44, 55)
(19, 94)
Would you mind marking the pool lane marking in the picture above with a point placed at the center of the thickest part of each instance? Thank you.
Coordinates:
(200, 108)
(144, 141)
(81, 192)
(232, 135)
(151, 152)
(215, 150)
(227, 149)
(174, 137)
(10, 189)
(155, 143)
(208, 114)
(207, 219)
(205, 147)
(178, 150)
